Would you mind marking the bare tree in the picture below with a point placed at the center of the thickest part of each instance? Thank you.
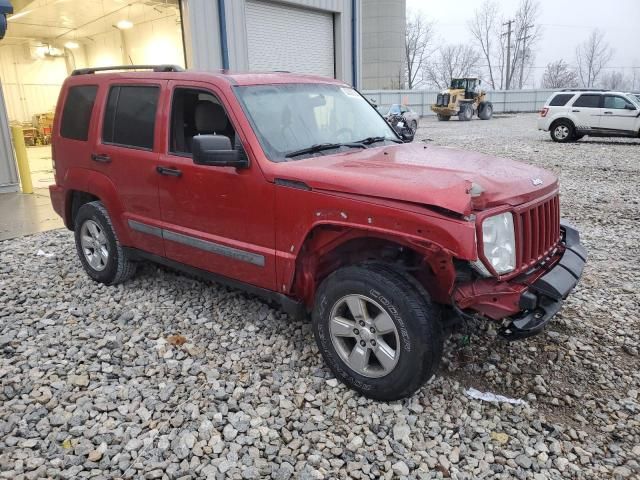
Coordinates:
(559, 75)
(592, 56)
(500, 49)
(451, 61)
(419, 35)
(615, 80)
(485, 29)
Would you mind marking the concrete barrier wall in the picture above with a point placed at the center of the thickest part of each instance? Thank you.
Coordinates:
(421, 100)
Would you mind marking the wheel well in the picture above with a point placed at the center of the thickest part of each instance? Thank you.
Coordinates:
(76, 200)
(558, 120)
(324, 253)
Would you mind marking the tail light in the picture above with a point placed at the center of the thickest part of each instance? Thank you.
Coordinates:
(543, 112)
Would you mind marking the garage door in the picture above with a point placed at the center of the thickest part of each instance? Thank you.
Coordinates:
(281, 37)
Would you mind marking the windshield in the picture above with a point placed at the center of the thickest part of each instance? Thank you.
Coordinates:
(293, 117)
(458, 83)
(394, 110)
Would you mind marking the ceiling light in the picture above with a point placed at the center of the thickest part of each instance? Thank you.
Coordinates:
(18, 15)
(71, 45)
(124, 24)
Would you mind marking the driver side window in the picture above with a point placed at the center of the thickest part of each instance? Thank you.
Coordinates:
(196, 112)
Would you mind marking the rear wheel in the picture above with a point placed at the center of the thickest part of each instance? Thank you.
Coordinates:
(443, 118)
(98, 247)
(466, 112)
(485, 111)
(562, 131)
(379, 334)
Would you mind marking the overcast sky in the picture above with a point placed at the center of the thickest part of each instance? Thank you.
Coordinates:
(565, 24)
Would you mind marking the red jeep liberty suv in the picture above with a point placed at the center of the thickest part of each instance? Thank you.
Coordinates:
(295, 188)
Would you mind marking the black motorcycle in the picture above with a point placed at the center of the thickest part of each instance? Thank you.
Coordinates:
(400, 125)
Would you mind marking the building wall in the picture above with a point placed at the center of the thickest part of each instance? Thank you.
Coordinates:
(383, 49)
(203, 39)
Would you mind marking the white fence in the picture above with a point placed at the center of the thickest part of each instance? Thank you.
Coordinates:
(421, 100)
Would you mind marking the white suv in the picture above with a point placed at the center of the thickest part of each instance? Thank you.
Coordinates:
(569, 115)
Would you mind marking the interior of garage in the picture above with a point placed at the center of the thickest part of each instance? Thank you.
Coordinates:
(48, 39)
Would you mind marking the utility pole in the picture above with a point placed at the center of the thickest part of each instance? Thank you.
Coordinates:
(508, 34)
(523, 57)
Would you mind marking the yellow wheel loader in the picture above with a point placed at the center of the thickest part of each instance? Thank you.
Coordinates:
(464, 98)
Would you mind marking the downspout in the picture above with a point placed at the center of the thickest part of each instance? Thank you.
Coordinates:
(223, 35)
(354, 44)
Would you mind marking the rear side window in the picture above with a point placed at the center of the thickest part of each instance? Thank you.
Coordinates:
(76, 114)
(560, 100)
(130, 116)
(588, 100)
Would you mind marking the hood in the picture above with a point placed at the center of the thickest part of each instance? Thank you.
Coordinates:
(456, 180)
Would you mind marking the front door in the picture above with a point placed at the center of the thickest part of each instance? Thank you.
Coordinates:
(220, 219)
(618, 114)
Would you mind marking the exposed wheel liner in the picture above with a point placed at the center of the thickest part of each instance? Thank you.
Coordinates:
(416, 319)
(119, 267)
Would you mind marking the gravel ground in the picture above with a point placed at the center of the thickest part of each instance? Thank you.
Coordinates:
(170, 377)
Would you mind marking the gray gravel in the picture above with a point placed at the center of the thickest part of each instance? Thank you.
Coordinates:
(96, 382)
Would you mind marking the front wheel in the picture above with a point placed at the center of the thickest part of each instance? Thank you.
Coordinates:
(378, 332)
(443, 118)
(485, 111)
(465, 113)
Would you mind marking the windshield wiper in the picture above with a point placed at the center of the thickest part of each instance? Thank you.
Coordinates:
(370, 140)
(319, 147)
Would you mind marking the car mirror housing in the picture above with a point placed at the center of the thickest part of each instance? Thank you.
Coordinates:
(5, 9)
(216, 151)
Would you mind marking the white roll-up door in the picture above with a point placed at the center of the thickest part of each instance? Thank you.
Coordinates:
(295, 39)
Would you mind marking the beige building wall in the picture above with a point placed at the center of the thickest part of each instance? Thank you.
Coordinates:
(383, 34)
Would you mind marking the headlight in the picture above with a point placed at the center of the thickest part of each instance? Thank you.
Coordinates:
(499, 243)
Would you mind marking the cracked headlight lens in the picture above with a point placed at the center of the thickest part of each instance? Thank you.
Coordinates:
(499, 243)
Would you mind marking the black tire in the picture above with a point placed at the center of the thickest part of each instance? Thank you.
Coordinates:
(485, 111)
(562, 131)
(414, 126)
(117, 268)
(443, 118)
(417, 322)
(466, 112)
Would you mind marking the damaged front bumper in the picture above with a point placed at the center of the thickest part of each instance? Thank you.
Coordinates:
(529, 303)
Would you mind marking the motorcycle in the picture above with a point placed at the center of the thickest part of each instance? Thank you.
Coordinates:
(400, 125)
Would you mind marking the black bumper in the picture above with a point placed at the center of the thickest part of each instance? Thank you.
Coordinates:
(544, 298)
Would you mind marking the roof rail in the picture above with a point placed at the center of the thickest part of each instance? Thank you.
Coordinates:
(155, 68)
(585, 90)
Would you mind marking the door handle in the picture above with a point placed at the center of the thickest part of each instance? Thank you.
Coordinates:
(100, 157)
(172, 172)
(608, 113)
(575, 111)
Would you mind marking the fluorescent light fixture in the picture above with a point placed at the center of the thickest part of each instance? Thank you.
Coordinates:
(72, 45)
(124, 24)
(18, 15)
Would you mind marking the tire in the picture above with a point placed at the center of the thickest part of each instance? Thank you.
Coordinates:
(402, 308)
(465, 113)
(485, 111)
(414, 126)
(562, 131)
(98, 247)
(443, 118)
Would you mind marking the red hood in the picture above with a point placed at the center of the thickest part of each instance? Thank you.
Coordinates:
(425, 174)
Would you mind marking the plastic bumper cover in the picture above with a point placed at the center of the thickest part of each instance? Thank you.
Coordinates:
(544, 297)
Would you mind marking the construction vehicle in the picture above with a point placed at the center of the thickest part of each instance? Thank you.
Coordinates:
(463, 98)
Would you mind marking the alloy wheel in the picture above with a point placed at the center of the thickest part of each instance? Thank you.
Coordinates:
(94, 245)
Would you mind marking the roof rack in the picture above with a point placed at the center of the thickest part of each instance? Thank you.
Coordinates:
(155, 68)
(585, 90)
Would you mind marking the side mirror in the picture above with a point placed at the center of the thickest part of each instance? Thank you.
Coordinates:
(5, 9)
(216, 151)
(629, 107)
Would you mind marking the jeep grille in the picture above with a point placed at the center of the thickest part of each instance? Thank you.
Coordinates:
(537, 232)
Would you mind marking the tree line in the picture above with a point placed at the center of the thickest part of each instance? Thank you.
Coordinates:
(503, 51)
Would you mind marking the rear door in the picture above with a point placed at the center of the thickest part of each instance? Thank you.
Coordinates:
(586, 111)
(619, 115)
(128, 154)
